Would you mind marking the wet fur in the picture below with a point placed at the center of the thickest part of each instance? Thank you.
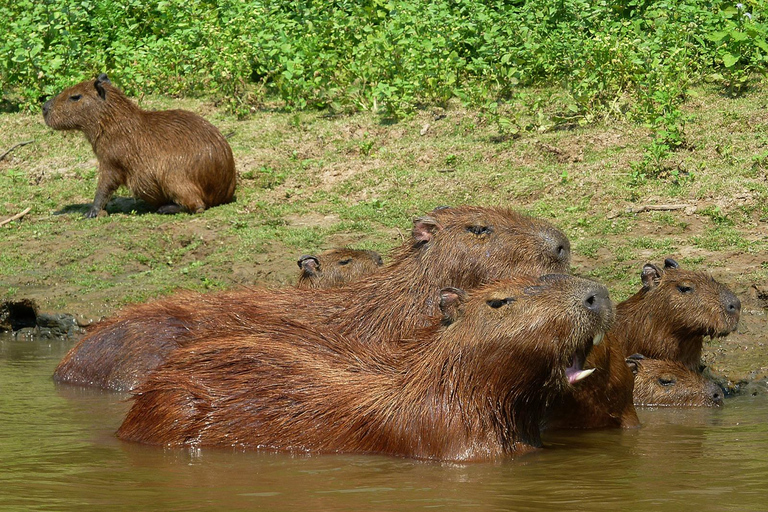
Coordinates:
(471, 386)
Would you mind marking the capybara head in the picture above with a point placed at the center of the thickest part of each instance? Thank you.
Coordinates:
(561, 317)
(675, 308)
(476, 245)
(660, 382)
(80, 106)
(336, 267)
(470, 387)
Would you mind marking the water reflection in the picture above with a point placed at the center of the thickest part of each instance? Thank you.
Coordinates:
(58, 452)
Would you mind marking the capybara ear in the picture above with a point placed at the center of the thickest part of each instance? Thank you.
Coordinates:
(670, 263)
(633, 362)
(424, 228)
(99, 84)
(451, 302)
(309, 263)
(650, 276)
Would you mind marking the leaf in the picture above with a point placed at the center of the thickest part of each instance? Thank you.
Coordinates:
(730, 60)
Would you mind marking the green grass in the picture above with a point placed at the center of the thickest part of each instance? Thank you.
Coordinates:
(310, 182)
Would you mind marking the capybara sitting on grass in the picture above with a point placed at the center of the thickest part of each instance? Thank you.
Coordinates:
(669, 383)
(470, 387)
(463, 247)
(673, 311)
(336, 267)
(173, 159)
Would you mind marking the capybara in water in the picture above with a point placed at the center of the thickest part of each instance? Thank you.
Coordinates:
(470, 387)
(173, 159)
(673, 311)
(464, 247)
(336, 267)
(669, 383)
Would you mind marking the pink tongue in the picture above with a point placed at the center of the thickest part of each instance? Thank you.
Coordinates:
(574, 373)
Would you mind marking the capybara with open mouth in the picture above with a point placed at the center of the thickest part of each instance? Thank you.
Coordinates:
(673, 311)
(173, 159)
(463, 247)
(336, 267)
(469, 387)
(669, 383)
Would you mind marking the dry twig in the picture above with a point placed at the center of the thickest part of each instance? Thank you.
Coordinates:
(15, 217)
(17, 145)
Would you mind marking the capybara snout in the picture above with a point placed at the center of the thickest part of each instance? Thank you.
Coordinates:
(173, 159)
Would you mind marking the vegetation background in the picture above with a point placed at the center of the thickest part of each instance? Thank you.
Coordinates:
(638, 127)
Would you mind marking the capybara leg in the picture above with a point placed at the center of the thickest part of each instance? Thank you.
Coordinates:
(168, 209)
(109, 181)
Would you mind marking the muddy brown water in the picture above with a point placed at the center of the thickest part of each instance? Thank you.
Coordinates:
(58, 452)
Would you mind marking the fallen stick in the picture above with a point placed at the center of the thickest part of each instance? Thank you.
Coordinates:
(658, 208)
(15, 217)
(18, 144)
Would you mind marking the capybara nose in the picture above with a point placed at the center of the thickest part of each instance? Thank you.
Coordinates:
(558, 246)
(596, 299)
(732, 304)
(47, 107)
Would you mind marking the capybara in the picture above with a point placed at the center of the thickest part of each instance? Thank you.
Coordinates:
(673, 311)
(464, 247)
(173, 159)
(471, 386)
(669, 383)
(336, 267)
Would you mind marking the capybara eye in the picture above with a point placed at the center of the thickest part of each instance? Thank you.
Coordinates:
(684, 288)
(75, 97)
(480, 230)
(497, 303)
(667, 381)
(345, 262)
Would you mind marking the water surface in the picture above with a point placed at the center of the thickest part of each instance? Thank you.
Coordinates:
(58, 452)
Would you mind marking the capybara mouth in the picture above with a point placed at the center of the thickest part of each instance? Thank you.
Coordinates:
(576, 372)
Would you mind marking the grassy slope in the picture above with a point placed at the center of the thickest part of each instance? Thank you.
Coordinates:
(309, 182)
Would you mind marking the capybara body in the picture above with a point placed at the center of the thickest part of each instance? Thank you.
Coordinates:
(471, 386)
(669, 317)
(173, 159)
(668, 383)
(336, 267)
(464, 247)
(673, 311)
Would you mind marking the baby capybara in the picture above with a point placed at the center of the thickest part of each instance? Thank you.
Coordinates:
(470, 387)
(336, 267)
(173, 159)
(669, 383)
(673, 311)
(465, 247)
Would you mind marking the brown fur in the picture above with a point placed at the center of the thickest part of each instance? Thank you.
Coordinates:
(336, 267)
(662, 317)
(669, 317)
(602, 400)
(173, 159)
(464, 247)
(669, 383)
(470, 387)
